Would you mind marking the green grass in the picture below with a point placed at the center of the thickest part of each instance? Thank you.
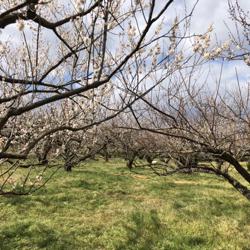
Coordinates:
(105, 206)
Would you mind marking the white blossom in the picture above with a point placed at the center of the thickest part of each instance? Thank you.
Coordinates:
(247, 60)
(20, 25)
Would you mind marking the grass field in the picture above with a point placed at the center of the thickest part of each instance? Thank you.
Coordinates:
(105, 206)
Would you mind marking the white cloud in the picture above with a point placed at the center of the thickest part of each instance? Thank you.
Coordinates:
(216, 12)
(207, 12)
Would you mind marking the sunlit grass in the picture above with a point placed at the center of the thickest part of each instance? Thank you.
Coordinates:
(105, 206)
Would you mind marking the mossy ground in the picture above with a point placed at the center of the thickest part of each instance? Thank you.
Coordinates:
(105, 206)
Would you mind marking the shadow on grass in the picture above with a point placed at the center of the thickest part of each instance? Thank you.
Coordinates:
(145, 230)
(17, 200)
(105, 175)
(27, 234)
(187, 186)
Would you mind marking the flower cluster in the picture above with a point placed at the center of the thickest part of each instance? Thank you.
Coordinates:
(131, 30)
(202, 45)
(247, 60)
(79, 4)
(20, 25)
(173, 40)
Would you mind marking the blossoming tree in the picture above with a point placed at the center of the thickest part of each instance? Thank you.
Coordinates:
(212, 122)
(66, 66)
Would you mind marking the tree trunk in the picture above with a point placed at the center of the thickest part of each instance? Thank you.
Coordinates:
(237, 185)
(68, 166)
(130, 163)
(230, 159)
